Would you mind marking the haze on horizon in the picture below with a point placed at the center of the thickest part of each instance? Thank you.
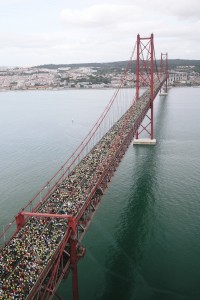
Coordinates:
(37, 32)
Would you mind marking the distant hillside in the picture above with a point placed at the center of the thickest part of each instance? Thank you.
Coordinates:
(173, 63)
(106, 66)
(110, 66)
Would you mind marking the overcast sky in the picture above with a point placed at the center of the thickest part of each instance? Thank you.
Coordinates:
(36, 32)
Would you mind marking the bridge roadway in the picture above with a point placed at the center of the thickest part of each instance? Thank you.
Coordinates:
(24, 258)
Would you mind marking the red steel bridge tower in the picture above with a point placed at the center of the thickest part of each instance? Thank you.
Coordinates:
(164, 60)
(146, 74)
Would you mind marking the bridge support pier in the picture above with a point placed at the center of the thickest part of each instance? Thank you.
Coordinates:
(144, 141)
(163, 94)
(74, 261)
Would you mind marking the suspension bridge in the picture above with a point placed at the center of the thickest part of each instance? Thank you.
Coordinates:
(42, 244)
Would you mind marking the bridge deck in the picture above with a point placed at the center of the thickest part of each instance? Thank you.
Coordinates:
(25, 257)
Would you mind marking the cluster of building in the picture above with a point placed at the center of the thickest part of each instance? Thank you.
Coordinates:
(178, 78)
(61, 78)
(82, 77)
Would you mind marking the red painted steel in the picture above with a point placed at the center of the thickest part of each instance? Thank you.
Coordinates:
(138, 68)
(164, 69)
(74, 262)
(145, 76)
(152, 84)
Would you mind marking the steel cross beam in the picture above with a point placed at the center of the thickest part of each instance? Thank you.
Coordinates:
(20, 218)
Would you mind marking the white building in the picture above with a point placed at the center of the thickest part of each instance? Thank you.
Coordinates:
(181, 77)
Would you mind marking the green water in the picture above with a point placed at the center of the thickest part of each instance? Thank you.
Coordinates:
(144, 240)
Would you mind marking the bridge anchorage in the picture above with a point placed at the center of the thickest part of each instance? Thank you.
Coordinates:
(44, 239)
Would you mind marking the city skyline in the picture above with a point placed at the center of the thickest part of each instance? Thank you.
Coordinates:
(64, 32)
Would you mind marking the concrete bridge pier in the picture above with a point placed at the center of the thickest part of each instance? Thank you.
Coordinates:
(144, 141)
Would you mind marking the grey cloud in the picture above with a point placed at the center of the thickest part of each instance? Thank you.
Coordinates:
(100, 15)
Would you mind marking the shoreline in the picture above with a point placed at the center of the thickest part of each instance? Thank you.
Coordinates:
(85, 89)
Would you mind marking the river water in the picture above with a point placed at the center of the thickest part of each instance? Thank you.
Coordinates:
(144, 241)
